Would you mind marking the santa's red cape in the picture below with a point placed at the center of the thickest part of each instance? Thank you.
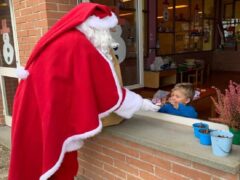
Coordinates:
(71, 85)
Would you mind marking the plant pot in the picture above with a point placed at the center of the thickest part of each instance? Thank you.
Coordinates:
(236, 137)
(204, 136)
(221, 142)
(197, 127)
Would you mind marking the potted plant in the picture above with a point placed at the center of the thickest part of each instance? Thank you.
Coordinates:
(204, 136)
(197, 127)
(227, 105)
(221, 142)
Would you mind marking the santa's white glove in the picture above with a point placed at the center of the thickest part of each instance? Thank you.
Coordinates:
(147, 105)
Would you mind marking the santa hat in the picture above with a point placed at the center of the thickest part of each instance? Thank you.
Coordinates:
(97, 16)
(102, 19)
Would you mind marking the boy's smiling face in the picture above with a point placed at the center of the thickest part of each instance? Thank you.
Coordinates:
(178, 96)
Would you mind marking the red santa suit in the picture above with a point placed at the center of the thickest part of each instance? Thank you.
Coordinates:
(70, 86)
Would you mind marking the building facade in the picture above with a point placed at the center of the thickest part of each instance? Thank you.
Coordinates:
(23, 23)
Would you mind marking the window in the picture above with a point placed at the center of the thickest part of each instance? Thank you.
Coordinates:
(184, 26)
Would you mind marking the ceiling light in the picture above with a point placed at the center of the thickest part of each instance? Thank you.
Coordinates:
(125, 14)
(3, 4)
(178, 6)
(125, 1)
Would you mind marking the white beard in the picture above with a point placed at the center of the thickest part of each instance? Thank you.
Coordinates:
(100, 38)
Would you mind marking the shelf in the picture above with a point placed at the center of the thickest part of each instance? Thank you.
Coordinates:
(186, 35)
(127, 9)
(164, 32)
(183, 21)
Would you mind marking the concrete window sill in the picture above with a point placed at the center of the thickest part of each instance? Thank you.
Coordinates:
(174, 135)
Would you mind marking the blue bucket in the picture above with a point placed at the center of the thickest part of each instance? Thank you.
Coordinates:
(197, 127)
(221, 142)
(204, 138)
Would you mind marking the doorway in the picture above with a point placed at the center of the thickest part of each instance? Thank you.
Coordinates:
(8, 59)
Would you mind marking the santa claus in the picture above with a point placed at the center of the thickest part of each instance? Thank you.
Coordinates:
(68, 85)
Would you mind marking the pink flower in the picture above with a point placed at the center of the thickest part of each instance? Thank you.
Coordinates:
(228, 105)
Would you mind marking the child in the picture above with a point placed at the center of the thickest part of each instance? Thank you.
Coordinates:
(177, 103)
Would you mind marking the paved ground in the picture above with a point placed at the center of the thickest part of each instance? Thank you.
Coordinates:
(4, 162)
(5, 153)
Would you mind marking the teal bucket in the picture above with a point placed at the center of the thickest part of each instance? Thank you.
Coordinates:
(221, 142)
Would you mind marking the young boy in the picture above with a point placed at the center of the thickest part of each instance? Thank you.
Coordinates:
(177, 104)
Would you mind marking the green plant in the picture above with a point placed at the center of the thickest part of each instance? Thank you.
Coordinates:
(227, 105)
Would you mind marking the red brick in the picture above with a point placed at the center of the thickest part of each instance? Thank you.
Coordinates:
(91, 175)
(118, 147)
(93, 146)
(215, 172)
(140, 164)
(168, 175)
(192, 173)
(131, 177)
(100, 157)
(172, 158)
(114, 154)
(115, 171)
(126, 167)
(90, 159)
(148, 176)
(155, 160)
(51, 6)
(65, 7)
(95, 170)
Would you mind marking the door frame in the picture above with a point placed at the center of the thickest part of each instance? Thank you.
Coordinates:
(7, 71)
(140, 38)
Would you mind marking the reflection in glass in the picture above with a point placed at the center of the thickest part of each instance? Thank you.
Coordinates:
(126, 12)
(7, 54)
(10, 85)
(208, 35)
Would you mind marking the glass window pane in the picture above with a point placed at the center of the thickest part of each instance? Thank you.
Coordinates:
(145, 29)
(10, 85)
(165, 16)
(7, 53)
(126, 12)
(209, 8)
(208, 35)
(228, 10)
(165, 31)
(165, 43)
(182, 10)
(237, 9)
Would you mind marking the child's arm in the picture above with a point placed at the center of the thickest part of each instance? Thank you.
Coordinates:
(187, 111)
(166, 108)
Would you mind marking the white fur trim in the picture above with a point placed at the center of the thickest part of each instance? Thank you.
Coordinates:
(130, 105)
(22, 73)
(72, 143)
(75, 142)
(104, 23)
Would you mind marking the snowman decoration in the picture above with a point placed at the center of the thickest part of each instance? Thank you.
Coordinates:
(8, 51)
(120, 50)
(165, 10)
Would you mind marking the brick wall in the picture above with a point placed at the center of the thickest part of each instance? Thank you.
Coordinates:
(34, 18)
(107, 157)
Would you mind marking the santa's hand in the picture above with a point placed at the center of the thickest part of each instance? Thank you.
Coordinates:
(147, 105)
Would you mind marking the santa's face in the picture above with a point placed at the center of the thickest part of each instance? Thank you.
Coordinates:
(100, 38)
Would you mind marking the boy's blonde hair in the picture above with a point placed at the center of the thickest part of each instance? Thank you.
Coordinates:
(187, 89)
